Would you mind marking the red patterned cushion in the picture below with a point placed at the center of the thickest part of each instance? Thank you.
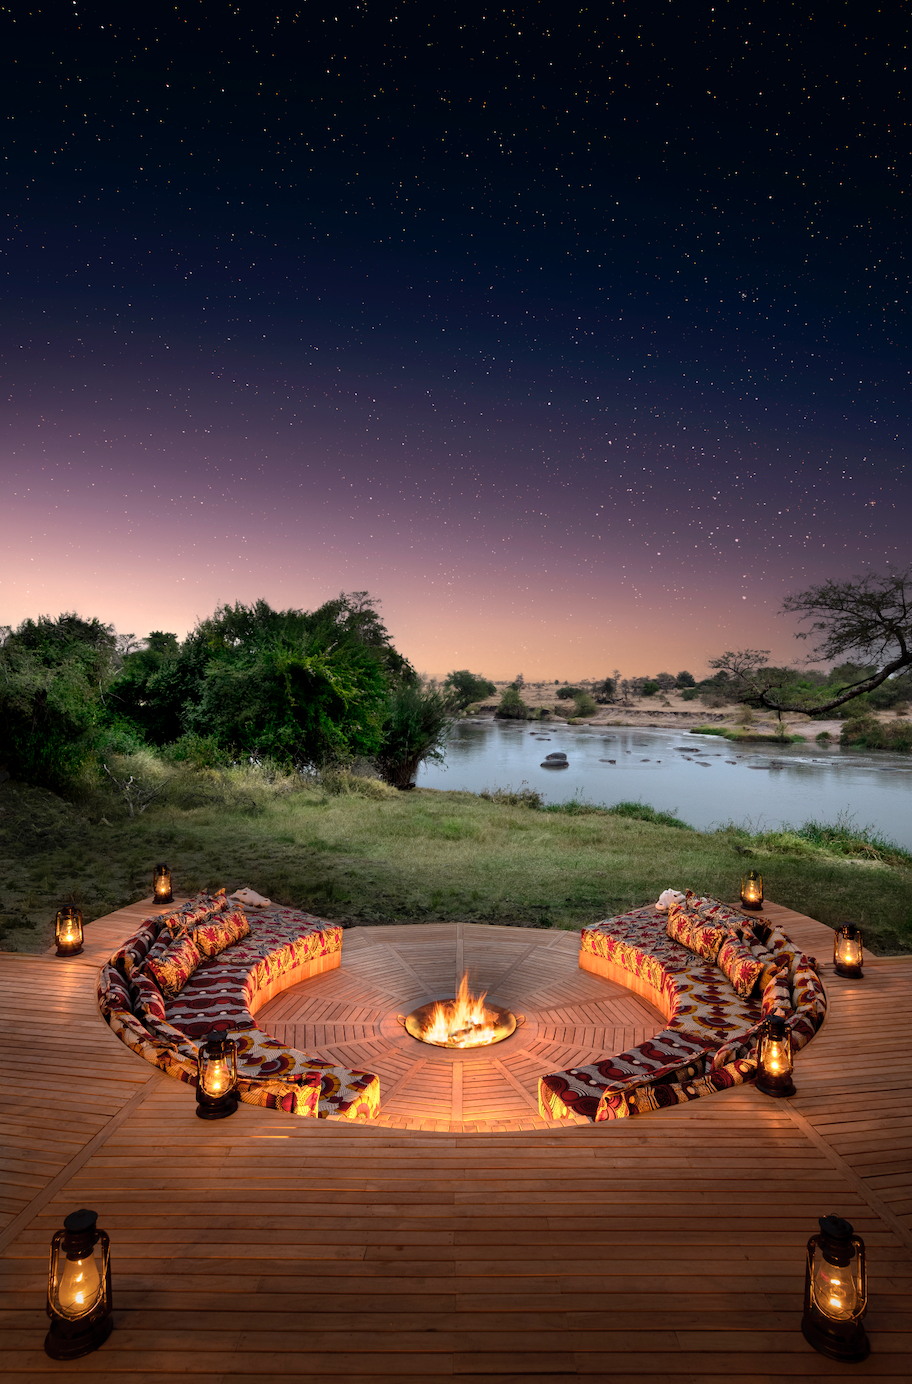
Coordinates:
(173, 969)
(218, 933)
(742, 969)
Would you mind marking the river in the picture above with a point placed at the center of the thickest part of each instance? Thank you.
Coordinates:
(708, 781)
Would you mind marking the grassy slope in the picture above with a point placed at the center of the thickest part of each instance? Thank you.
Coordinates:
(414, 856)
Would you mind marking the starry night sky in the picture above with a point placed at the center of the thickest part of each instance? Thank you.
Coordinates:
(576, 334)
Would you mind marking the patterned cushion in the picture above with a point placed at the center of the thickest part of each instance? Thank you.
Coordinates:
(680, 924)
(711, 1039)
(173, 969)
(706, 941)
(219, 994)
(742, 969)
(694, 931)
(217, 933)
(777, 994)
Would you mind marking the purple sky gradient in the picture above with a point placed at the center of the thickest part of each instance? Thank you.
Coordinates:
(561, 399)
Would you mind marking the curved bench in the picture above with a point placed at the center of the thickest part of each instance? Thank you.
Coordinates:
(711, 1039)
(282, 947)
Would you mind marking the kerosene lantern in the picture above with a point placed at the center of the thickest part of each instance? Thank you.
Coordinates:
(161, 885)
(68, 932)
(848, 951)
(836, 1292)
(79, 1288)
(216, 1077)
(752, 890)
(774, 1060)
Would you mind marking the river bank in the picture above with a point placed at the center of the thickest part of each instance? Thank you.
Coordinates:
(413, 857)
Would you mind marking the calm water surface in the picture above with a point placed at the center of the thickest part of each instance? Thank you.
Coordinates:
(706, 779)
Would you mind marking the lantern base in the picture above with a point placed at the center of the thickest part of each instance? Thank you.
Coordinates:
(849, 1344)
(216, 1107)
(776, 1087)
(850, 972)
(69, 951)
(163, 898)
(755, 905)
(64, 1342)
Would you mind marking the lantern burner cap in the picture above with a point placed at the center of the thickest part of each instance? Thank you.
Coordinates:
(78, 1222)
(836, 1227)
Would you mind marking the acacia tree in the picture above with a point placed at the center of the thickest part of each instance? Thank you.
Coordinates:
(869, 616)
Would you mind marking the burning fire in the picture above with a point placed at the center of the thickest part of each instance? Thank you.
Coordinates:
(460, 1023)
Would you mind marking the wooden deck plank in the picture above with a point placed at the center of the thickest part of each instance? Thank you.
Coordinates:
(434, 1250)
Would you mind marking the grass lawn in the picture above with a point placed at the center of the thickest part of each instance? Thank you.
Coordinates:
(417, 856)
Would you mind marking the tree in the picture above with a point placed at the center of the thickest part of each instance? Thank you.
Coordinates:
(54, 676)
(685, 679)
(566, 694)
(414, 728)
(465, 687)
(666, 681)
(870, 616)
(606, 690)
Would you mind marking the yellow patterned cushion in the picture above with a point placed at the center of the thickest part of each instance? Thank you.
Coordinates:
(695, 934)
(173, 968)
(214, 935)
(681, 923)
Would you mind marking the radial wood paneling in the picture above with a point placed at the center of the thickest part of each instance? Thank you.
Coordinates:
(348, 1016)
(269, 1248)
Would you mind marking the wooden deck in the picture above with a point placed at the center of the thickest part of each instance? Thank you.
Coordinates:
(666, 1248)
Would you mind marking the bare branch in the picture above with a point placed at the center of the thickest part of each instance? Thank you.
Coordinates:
(870, 616)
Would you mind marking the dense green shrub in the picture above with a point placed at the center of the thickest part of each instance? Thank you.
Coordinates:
(584, 705)
(867, 733)
(53, 679)
(416, 722)
(512, 707)
(567, 694)
(465, 687)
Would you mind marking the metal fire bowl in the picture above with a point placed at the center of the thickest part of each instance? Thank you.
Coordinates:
(503, 1021)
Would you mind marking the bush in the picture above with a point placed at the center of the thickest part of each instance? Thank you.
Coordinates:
(686, 679)
(512, 707)
(197, 751)
(414, 728)
(823, 738)
(524, 796)
(341, 782)
(867, 733)
(650, 688)
(642, 812)
(567, 694)
(584, 705)
(689, 694)
(465, 687)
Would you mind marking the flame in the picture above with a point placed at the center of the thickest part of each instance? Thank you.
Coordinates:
(460, 1023)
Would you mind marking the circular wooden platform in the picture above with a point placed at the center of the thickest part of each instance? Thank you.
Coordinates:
(349, 1016)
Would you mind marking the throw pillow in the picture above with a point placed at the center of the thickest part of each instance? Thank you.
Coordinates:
(173, 969)
(735, 961)
(680, 924)
(220, 932)
(706, 941)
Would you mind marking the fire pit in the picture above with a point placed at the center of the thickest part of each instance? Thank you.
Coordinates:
(463, 1022)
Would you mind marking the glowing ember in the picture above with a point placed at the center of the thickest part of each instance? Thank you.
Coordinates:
(464, 1022)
